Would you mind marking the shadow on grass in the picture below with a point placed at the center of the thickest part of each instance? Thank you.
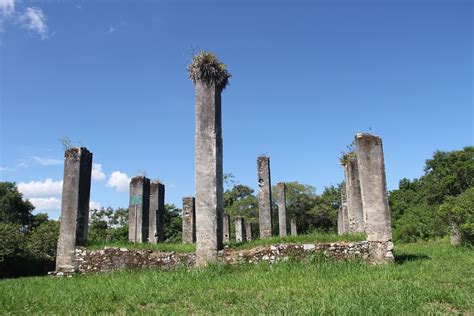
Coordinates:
(405, 257)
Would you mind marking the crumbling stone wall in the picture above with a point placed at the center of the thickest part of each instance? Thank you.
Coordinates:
(114, 258)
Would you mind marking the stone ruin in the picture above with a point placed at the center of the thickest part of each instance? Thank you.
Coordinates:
(365, 198)
(364, 205)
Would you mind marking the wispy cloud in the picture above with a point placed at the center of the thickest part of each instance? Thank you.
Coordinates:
(2, 168)
(7, 9)
(119, 180)
(34, 20)
(47, 161)
(97, 173)
(111, 29)
(35, 189)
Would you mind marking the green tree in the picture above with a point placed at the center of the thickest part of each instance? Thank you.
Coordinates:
(13, 209)
(460, 211)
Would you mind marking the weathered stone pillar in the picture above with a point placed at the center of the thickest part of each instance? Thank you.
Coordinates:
(210, 77)
(354, 200)
(138, 216)
(264, 197)
(226, 224)
(74, 220)
(344, 212)
(189, 220)
(455, 234)
(373, 187)
(240, 229)
(294, 231)
(156, 231)
(248, 230)
(340, 229)
(282, 209)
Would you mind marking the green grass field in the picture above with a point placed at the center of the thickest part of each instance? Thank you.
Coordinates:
(428, 278)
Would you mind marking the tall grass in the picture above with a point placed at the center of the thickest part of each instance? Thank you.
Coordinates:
(427, 278)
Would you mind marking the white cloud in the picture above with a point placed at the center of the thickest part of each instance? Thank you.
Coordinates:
(111, 29)
(7, 8)
(97, 173)
(47, 187)
(46, 204)
(119, 180)
(47, 161)
(94, 205)
(5, 168)
(34, 20)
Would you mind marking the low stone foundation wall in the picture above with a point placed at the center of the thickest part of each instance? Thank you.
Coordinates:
(112, 258)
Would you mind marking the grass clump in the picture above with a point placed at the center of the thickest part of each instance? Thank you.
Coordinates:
(182, 248)
(427, 278)
(206, 67)
(315, 237)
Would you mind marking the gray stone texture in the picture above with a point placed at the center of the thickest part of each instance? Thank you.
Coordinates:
(373, 187)
(354, 200)
(138, 216)
(282, 209)
(74, 220)
(248, 230)
(156, 232)
(189, 220)
(226, 227)
(240, 235)
(264, 197)
(344, 212)
(340, 229)
(208, 173)
(113, 258)
(294, 230)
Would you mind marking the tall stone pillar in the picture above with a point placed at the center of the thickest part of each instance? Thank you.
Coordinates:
(138, 216)
(226, 225)
(282, 209)
(340, 229)
(189, 220)
(210, 77)
(354, 200)
(294, 231)
(156, 232)
(74, 219)
(240, 229)
(209, 174)
(264, 197)
(455, 234)
(344, 211)
(248, 230)
(373, 187)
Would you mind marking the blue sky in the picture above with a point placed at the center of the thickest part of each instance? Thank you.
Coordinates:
(306, 76)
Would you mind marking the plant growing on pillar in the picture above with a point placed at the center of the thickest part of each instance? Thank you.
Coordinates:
(207, 68)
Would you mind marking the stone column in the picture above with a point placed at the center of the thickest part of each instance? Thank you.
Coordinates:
(264, 197)
(74, 220)
(340, 229)
(248, 230)
(209, 174)
(156, 231)
(189, 220)
(282, 209)
(373, 187)
(226, 226)
(353, 197)
(294, 231)
(240, 229)
(138, 210)
(344, 212)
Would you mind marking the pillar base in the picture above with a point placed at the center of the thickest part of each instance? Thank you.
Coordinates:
(381, 252)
